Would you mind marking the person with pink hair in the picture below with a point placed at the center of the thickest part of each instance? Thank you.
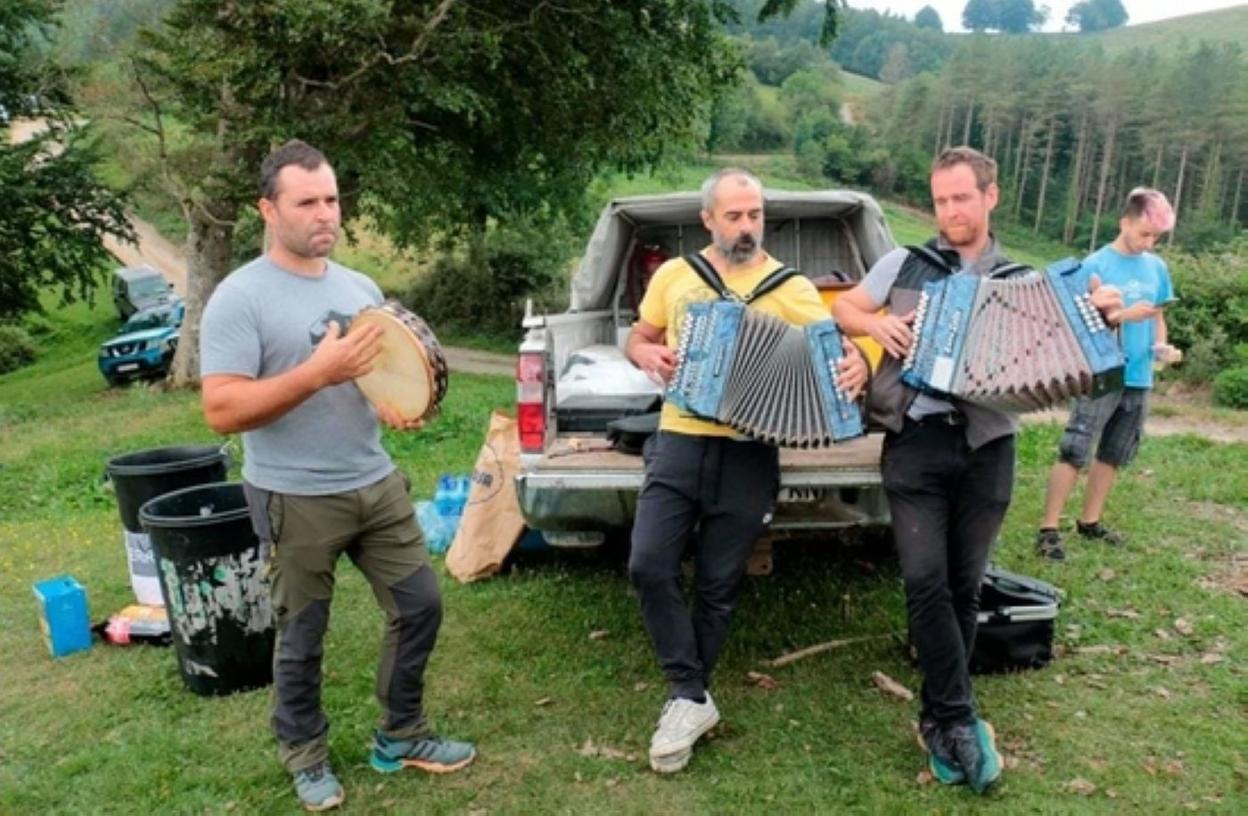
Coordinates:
(1115, 421)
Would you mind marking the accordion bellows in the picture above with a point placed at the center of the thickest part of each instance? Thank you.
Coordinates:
(770, 380)
(1014, 344)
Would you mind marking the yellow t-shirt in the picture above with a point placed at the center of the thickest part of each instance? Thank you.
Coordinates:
(675, 285)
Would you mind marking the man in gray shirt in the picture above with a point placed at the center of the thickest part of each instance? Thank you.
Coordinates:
(947, 466)
(277, 365)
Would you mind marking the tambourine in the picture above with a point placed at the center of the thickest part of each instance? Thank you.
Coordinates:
(410, 374)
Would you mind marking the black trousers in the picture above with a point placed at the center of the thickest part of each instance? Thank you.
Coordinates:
(947, 503)
(720, 494)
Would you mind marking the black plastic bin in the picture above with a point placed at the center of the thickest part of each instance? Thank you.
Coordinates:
(140, 477)
(214, 580)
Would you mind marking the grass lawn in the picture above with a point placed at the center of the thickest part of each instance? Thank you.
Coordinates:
(1145, 711)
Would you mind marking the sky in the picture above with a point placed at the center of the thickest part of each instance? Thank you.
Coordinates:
(1138, 11)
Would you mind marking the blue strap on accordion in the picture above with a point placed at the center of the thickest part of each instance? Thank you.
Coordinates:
(1070, 282)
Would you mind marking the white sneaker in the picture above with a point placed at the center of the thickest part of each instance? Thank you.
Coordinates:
(681, 724)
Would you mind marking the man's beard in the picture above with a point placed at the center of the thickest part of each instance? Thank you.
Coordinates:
(739, 251)
(967, 237)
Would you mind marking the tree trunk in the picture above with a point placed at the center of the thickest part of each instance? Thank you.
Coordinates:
(1239, 186)
(940, 128)
(1023, 169)
(1044, 174)
(209, 255)
(1076, 183)
(948, 140)
(1119, 190)
(1018, 152)
(966, 123)
(1157, 168)
(1106, 163)
(1178, 191)
(1009, 148)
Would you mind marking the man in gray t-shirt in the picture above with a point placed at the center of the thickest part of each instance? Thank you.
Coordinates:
(277, 366)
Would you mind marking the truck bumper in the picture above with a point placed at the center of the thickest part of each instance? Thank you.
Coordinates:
(571, 501)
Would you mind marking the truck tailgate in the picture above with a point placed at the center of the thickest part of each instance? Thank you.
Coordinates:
(853, 463)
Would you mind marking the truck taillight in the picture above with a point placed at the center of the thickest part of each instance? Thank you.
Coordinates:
(531, 400)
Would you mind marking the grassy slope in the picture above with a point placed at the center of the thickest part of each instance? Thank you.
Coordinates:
(860, 86)
(1222, 26)
(1155, 728)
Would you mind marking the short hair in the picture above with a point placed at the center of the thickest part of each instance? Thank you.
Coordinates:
(984, 168)
(708, 186)
(1150, 205)
(295, 152)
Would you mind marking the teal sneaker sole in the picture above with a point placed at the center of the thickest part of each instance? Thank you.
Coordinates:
(382, 765)
(941, 771)
(991, 770)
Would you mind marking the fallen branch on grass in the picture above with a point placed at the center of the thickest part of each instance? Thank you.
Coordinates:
(818, 648)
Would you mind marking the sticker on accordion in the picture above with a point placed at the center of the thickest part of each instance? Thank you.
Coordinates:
(942, 373)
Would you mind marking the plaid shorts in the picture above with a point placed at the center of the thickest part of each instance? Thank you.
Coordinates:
(1117, 418)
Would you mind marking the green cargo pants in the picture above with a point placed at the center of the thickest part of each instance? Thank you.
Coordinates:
(377, 529)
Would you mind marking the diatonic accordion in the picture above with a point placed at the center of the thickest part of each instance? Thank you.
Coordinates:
(1015, 344)
(770, 380)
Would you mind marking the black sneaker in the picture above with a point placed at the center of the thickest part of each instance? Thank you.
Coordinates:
(1096, 530)
(1049, 544)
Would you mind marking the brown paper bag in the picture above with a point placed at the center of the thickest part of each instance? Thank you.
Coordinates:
(491, 524)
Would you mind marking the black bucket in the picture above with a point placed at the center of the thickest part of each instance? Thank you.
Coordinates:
(142, 476)
(214, 580)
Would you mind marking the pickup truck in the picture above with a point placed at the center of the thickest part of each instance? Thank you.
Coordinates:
(572, 377)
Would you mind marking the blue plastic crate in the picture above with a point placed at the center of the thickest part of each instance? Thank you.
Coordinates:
(63, 615)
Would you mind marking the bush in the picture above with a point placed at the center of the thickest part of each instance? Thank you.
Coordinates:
(16, 349)
(481, 289)
(1210, 319)
(1230, 388)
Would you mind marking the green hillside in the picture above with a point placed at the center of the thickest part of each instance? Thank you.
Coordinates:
(859, 86)
(1226, 25)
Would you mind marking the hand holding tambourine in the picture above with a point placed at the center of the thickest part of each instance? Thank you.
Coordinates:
(409, 377)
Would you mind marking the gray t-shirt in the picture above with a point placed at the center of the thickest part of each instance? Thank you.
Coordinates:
(262, 321)
(877, 284)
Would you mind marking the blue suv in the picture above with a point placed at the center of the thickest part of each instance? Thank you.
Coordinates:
(145, 345)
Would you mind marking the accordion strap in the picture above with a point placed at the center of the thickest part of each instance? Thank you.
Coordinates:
(711, 278)
(1002, 270)
(932, 257)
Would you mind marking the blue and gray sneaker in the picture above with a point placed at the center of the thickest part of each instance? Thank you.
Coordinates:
(318, 788)
(974, 745)
(430, 754)
(940, 760)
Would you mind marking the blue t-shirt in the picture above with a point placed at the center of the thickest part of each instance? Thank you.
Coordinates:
(1138, 277)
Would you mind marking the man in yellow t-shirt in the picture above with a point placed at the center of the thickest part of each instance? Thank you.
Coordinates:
(701, 475)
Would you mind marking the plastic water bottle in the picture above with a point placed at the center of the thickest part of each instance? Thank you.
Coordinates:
(431, 525)
(449, 499)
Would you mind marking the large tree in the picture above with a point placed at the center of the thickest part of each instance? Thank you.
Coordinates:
(1097, 15)
(1008, 16)
(928, 17)
(438, 114)
(54, 212)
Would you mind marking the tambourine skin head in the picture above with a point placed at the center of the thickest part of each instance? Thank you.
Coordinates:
(410, 374)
